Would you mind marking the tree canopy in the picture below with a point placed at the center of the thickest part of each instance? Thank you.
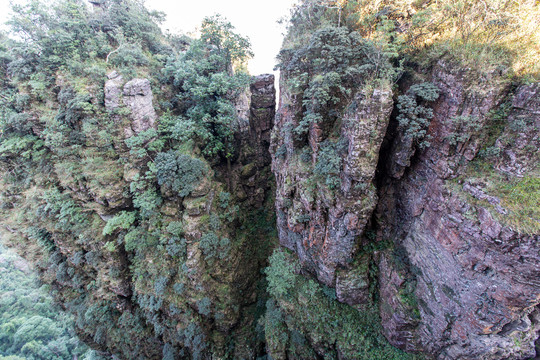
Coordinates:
(210, 75)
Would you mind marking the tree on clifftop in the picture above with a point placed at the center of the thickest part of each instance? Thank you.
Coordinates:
(210, 75)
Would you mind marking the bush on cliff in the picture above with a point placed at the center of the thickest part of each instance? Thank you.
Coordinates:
(210, 76)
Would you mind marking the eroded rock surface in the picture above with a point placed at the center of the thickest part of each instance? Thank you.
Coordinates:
(136, 95)
(465, 285)
(454, 282)
(138, 98)
(321, 224)
(521, 138)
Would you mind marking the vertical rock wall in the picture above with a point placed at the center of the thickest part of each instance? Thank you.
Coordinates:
(322, 224)
(454, 281)
(465, 285)
(179, 277)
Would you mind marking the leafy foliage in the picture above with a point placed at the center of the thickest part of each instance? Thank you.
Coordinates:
(121, 221)
(180, 172)
(414, 117)
(204, 306)
(328, 69)
(143, 142)
(483, 35)
(301, 310)
(64, 158)
(130, 280)
(328, 165)
(209, 83)
(280, 274)
(465, 128)
(30, 324)
(213, 246)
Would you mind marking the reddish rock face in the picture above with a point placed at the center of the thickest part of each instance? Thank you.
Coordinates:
(518, 155)
(457, 283)
(475, 281)
(320, 223)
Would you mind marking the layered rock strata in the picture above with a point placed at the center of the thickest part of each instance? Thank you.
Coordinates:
(454, 280)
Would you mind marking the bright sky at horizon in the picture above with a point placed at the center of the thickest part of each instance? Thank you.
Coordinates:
(257, 20)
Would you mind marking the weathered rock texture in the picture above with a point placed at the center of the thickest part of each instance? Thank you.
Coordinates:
(256, 119)
(209, 295)
(453, 281)
(138, 98)
(518, 155)
(320, 224)
(465, 286)
(136, 95)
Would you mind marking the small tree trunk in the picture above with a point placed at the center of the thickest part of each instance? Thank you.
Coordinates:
(229, 167)
(229, 175)
(112, 52)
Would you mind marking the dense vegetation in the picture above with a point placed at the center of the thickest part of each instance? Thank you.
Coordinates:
(107, 212)
(319, 317)
(483, 34)
(31, 326)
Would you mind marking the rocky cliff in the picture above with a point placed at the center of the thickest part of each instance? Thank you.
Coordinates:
(465, 282)
(189, 290)
(411, 190)
(423, 229)
(387, 209)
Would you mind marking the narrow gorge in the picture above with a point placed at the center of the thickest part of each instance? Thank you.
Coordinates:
(383, 205)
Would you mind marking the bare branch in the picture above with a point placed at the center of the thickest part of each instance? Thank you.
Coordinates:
(112, 52)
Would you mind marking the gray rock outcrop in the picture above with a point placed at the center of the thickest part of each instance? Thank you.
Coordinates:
(136, 95)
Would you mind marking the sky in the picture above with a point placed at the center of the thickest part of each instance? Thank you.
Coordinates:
(256, 19)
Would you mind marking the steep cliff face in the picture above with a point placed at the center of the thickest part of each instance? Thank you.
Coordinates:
(407, 179)
(465, 285)
(143, 195)
(320, 223)
(189, 290)
(388, 210)
(457, 269)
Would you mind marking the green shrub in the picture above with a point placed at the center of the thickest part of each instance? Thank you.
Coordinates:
(147, 140)
(181, 173)
(160, 285)
(328, 166)
(138, 239)
(414, 118)
(329, 325)
(275, 330)
(214, 247)
(224, 198)
(280, 274)
(176, 246)
(214, 222)
(204, 306)
(30, 324)
(209, 85)
(175, 228)
(179, 288)
(147, 202)
(465, 127)
(129, 55)
(123, 220)
(328, 69)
